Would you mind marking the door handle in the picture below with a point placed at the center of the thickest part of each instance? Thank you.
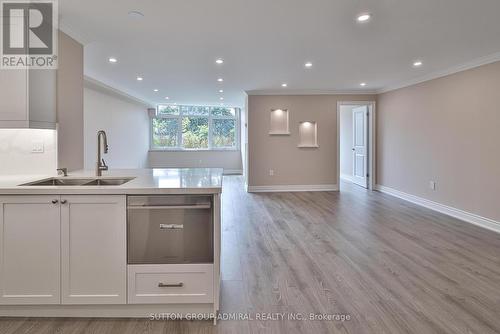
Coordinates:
(167, 285)
(64, 201)
(55, 201)
(354, 149)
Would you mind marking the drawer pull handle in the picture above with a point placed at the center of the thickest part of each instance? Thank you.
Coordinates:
(171, 226)
(177, 285)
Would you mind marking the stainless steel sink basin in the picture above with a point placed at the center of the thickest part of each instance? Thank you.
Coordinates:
(80, 182)
(108, 182)
(59, 182)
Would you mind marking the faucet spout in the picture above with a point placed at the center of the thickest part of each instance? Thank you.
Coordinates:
(102, 143)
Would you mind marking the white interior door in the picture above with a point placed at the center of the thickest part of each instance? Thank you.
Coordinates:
(360, 146)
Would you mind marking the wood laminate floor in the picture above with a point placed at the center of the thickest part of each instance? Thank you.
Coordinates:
(391, 266)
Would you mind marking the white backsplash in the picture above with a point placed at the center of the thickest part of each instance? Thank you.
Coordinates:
(16, 151)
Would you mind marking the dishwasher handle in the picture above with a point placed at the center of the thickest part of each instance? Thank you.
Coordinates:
(170, 207)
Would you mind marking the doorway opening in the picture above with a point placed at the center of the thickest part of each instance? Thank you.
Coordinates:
(356, 143)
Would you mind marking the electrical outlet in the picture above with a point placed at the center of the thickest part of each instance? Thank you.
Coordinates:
(37, 147)
(271, 172)
(432, 185)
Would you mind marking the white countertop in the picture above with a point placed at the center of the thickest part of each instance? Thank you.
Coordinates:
(146, 181)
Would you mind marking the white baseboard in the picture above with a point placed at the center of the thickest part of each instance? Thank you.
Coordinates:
(346, 177)
(233, 171)
(104, 311)
(468, 217)
(293, 188)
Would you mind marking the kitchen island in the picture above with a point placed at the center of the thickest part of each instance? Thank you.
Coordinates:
(132, 243)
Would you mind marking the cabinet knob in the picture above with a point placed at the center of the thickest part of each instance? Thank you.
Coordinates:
(64, 201)
(55, 201)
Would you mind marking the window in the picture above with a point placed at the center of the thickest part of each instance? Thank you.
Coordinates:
(194, 128)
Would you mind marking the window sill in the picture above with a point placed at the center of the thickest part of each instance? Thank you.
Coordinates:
(207, 150)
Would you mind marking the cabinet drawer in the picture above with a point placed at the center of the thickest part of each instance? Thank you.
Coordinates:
(170, 284)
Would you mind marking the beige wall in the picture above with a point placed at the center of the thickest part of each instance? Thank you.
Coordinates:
(70, 103)
(346, 140)
(445, 130)
(292, 165)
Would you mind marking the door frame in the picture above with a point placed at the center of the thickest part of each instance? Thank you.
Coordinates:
(372, 112)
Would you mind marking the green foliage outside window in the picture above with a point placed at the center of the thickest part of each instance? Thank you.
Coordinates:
(194, 132)
(224, 133)
(199, 127)
(165, 132)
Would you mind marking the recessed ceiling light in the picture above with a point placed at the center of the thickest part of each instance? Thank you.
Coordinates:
(308, 64)
(418, 63)
(140, 78)
(167, 98)
(112, 60)
(220, 61)
(220, 80)
(221, 98)
(364, 17)
(175, 103)
(155, 90)
(284, 85)
(221, 90)
(363, 84)
(135, 14)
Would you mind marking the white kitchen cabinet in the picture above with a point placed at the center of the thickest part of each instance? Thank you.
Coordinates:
(29, 250)
(42, 98)
(28, 99)
(94, 250)
(63, 249)
(13, 96)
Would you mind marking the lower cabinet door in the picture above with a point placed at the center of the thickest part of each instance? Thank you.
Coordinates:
(94, 260)
(29, 250)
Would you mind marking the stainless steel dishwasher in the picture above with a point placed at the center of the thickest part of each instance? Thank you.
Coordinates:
(169, 229)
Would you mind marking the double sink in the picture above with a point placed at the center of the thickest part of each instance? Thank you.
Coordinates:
(59, 181)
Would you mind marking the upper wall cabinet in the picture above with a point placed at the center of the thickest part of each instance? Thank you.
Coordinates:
(28, 99)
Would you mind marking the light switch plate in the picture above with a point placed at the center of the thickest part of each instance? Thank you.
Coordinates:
(37, 147)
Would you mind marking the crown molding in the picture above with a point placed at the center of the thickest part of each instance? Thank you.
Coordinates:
(102, 87)
(310, 92)
(439, 74)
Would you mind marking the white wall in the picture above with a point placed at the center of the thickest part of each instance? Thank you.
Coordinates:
(16, 156)
(229, 160)
(126, 123)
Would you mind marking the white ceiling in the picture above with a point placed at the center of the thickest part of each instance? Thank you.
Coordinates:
(266, 42)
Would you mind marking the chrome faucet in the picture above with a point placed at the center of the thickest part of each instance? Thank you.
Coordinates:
(101, 164)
